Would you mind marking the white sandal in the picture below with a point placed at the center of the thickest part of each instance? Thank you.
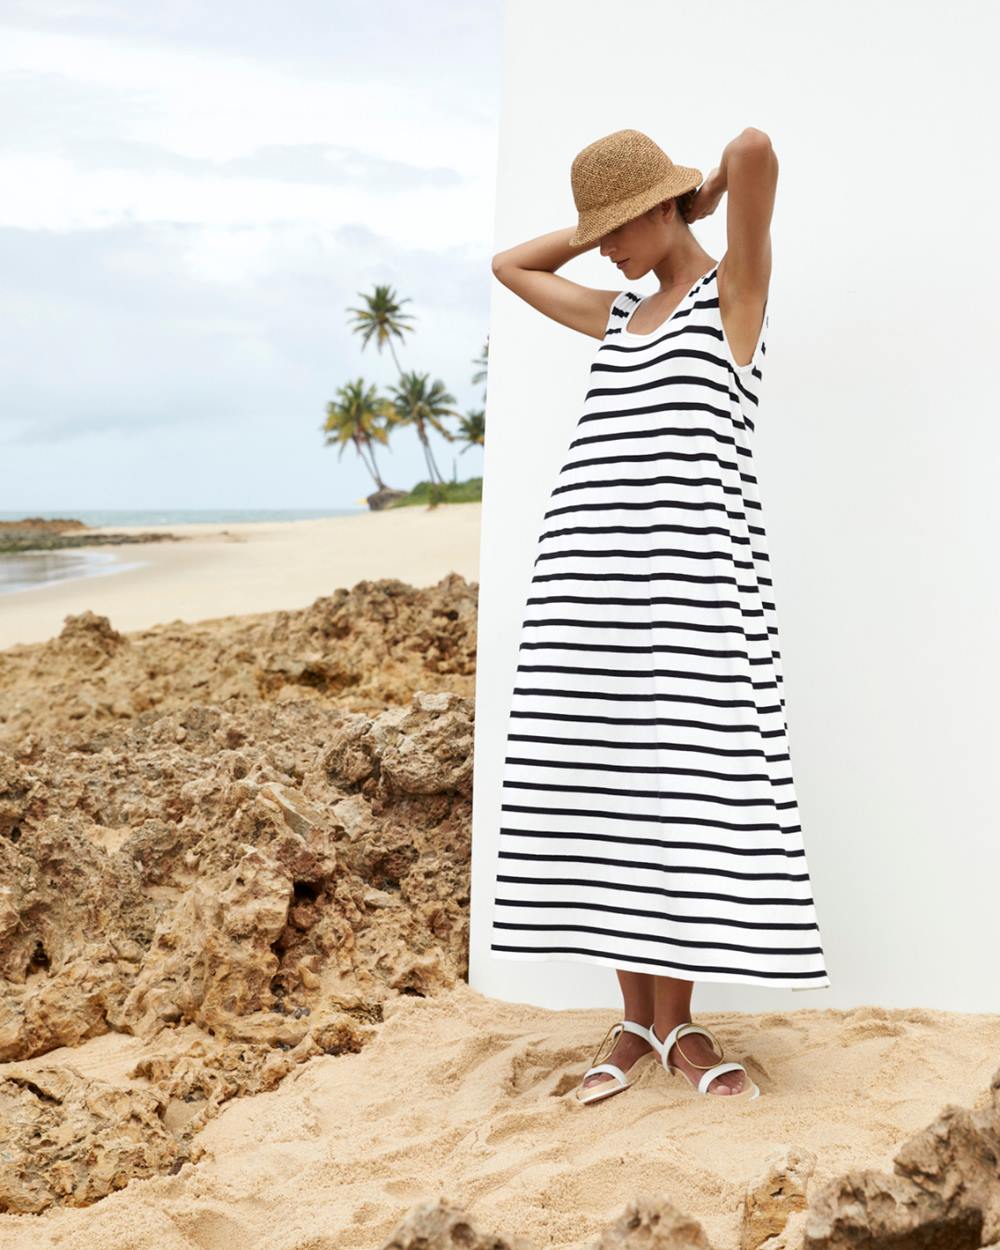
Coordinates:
(749, 1090)
(622, 1079)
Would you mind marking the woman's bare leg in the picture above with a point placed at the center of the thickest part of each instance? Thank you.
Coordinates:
(673, 1005)
(638, 993)
(663, 1002)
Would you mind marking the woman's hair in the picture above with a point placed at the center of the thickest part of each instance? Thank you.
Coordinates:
(684, 202)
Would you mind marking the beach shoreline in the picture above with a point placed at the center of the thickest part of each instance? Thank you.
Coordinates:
(244, 567)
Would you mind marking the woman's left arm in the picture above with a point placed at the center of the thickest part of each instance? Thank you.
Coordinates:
(748, 173)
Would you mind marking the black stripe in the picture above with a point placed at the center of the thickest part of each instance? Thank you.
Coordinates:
(604, 483)
(680, 405)
(658, 769)
(668, 963)
(642, 505)
(621, 792)
(663, 648)
(633, 745)
(754, 827)
(703, 700)
(581, 718)
(657, 843)
(660, 891)
(667, 941)
(646, 457)
(652, 866)
(658, 576)
(617, 908)
(655, 601)
(658, 696)
(641, 554)
(694, 431)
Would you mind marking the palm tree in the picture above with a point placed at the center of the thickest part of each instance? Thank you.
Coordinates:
(381, 319)
(483, 361)
(472, 428)
(359, 415)
(418, 402)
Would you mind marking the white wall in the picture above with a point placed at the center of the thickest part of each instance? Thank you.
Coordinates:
(877, 447)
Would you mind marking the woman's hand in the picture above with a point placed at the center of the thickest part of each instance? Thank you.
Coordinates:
(707, 197)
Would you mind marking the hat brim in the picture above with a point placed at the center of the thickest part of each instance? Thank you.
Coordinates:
(597, 222)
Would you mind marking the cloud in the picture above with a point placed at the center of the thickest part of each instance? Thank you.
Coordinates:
(323, 164)
(194, 195)
(146, 324)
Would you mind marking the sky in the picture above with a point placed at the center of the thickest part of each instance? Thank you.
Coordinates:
(194, 196)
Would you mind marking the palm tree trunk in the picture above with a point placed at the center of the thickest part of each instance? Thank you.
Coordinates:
(428, 459)
(359, 447)
(430, 456)
(376, 474)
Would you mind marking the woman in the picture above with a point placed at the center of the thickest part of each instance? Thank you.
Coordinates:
(650, 821)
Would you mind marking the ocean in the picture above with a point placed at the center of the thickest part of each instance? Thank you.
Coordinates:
(179, 516)
(30, 569)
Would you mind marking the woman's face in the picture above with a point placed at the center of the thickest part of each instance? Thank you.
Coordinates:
(635, 247)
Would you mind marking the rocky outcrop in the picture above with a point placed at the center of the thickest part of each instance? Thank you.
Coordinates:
(774, 1195)
(43, 525)
(365, 649)
(441, 1224)
(652, 1224)
(229, 860)
(69, 1140)
(943, 1192)
(645, 1224)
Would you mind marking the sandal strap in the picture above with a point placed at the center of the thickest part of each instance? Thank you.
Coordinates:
(612, 1032)
(679, 1030)
(629, 1026)
(708, 1077)
(612, 1068)
(697, 1028)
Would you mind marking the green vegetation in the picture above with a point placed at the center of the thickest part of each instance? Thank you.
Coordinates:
(430, 493)
(362, 416)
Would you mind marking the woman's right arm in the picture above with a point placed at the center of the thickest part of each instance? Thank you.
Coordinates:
(529, 271)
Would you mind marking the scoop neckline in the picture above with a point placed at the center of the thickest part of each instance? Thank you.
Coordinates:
(647, 334)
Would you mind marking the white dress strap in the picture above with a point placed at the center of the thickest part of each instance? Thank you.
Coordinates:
(621, 309)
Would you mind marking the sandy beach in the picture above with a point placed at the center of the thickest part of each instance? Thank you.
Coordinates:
(223, 570)
(235, 839)
(469, 1099)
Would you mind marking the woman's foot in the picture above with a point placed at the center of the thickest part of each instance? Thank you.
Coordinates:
(698, 1047)
(628, 1048)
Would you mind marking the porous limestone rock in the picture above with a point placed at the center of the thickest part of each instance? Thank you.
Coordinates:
(649, 1223)
(774, 1194)
(943, 1193)
(443, 1226)
(69, 1140)
(254, 831)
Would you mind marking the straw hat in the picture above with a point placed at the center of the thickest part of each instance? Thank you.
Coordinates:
(618, 177)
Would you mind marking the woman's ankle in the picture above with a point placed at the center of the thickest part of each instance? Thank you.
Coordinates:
(663, 1024)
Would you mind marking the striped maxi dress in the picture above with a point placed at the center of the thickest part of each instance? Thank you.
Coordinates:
(649, 818)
